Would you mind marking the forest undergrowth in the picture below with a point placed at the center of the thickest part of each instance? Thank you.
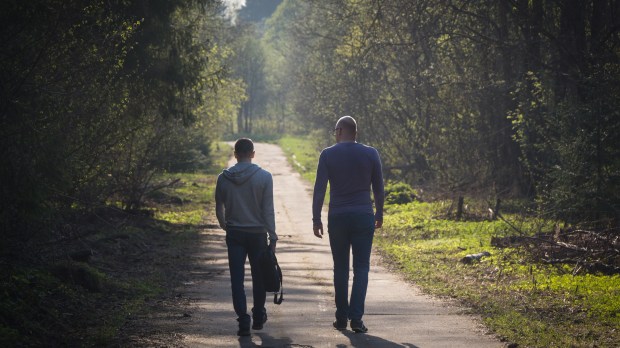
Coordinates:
(109, 269)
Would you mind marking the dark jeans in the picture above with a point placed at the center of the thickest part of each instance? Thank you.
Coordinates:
(351, 232)
(241, 245)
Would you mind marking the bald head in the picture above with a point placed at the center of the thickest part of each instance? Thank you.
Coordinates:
(347, 123)
(346, 129)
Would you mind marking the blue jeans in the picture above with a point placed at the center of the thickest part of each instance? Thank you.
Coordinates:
(241, 245)
(354, 232)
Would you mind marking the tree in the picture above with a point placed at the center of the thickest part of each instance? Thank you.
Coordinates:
(97, 97)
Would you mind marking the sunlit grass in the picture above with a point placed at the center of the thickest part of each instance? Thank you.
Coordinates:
(537, 305)
(194, 192)
(303, 154)
(193, 217)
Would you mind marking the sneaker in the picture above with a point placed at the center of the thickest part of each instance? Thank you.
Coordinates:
(244, 326)
(340, 324)
(358, 326)
(257, 324)
(243, 331)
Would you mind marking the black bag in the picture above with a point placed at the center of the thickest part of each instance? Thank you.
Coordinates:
(271, 274)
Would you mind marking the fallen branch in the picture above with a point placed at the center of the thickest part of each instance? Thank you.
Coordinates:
(589, 266)
(162, 185)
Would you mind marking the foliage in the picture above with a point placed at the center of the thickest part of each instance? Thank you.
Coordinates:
(97, 99)
(260, 65)
(492, 99)
(131, 263)
(399, 193)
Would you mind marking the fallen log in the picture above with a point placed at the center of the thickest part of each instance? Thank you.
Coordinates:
(474, 257)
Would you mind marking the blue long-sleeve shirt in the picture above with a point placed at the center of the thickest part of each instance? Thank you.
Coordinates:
(351, 169)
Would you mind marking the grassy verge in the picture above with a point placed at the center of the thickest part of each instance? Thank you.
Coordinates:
(302, 154)
(109, 268)
(532, 304)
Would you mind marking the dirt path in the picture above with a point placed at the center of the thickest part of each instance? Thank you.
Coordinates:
(397, 314)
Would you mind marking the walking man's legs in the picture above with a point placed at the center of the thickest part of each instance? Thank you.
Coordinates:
(237, 254)
(340, 247)
(351, 232)
(257, 243)
(242, 245)
(361, 245)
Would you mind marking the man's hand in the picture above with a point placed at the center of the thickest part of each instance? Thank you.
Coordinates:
(318, 230)
(272, 245)
(378, 223)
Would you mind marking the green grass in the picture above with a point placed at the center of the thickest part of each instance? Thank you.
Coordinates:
(194, 192)
(302, 154)
(532, 304)
(535, 305)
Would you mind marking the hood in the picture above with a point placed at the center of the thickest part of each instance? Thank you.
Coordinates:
(240, 172)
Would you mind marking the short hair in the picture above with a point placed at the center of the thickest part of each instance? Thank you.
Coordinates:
(244, 147)
(348, 123)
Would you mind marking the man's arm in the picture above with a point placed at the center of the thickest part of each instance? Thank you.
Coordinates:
(378, 190)
(269, 216)
(318, 196)
(219, 204)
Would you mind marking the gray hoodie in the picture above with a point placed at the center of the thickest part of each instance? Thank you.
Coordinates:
(244, 199)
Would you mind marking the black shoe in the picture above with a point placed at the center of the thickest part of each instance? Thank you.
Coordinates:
(358, 326)
(340, 324)
(257, 324)
(244, 326)
(243, 331)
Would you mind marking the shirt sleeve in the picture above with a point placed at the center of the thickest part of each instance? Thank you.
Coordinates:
(219, 204)
(268, 209)
(320, 186)
(377, 187)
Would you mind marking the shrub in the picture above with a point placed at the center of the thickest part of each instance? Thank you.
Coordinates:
(399, 193)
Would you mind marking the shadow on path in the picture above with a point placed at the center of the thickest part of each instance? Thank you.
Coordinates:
(368, 340)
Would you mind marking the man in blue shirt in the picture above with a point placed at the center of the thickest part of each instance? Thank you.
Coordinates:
(351, 169)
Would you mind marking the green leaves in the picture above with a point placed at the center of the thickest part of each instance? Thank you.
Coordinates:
(98, 97)
(483, 97)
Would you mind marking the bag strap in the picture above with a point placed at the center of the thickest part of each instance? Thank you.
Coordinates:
(279, 300)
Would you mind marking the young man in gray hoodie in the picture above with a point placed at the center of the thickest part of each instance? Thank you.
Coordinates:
(244, 209)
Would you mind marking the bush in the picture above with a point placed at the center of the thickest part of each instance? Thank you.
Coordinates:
(399, 193)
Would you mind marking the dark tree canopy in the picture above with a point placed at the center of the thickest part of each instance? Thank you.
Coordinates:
(95, 98)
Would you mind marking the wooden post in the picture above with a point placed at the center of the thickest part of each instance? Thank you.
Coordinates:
(459, 208)
(496, 210)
